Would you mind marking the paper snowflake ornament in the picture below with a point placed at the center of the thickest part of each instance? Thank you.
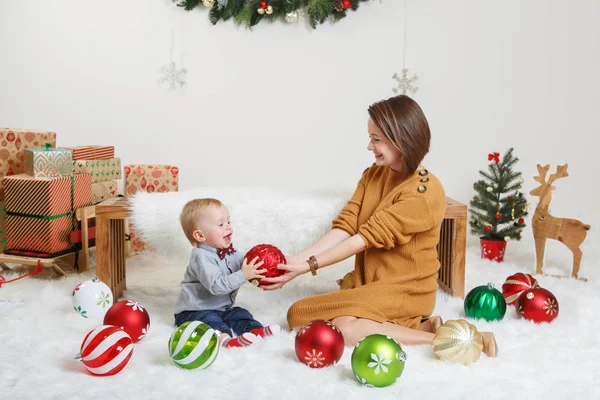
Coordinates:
(405, 83)
(172, 75)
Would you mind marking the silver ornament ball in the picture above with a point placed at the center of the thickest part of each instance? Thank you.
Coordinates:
(291, 17)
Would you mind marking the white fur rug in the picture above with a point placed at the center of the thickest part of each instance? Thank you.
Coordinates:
(40, 334)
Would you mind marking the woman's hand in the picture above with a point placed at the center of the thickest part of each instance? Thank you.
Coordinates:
(292, 270)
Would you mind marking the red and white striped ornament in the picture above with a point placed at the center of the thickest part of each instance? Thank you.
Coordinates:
(517, 284)
(106, 350)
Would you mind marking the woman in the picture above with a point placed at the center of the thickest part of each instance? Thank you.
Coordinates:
(392, 225)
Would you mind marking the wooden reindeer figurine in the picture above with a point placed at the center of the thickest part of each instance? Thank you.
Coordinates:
(570, 232)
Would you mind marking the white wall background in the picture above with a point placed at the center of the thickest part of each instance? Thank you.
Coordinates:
(285, 106)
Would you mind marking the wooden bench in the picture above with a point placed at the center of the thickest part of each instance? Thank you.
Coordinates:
(111, 250)
(452, 248)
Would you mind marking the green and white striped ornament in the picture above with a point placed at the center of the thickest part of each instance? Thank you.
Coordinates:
(194, 345)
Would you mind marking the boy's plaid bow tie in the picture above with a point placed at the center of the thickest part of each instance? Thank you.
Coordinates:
(223, 252)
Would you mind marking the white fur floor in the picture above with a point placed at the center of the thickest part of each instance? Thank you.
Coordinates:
(40, 334)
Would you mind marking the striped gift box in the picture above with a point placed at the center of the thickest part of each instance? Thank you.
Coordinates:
(92, 152)
(39, 210)
(46, 236)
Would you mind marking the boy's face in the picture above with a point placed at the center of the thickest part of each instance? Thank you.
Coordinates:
(215, 227)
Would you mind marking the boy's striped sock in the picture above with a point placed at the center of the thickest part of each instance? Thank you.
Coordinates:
(241, 341)
(269, 330)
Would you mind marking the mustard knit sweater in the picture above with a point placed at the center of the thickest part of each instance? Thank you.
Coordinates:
(395, 277)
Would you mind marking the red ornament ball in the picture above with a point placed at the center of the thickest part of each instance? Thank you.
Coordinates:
(347, 4)
(537, 305)
(521, 221)
(263, 4)
(516, 284)
(131, 316)
(488, 228)
(497, 216)
(271, 256)
(319, 344)
(105, 350)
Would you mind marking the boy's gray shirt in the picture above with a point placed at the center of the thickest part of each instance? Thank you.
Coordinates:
(210, 283)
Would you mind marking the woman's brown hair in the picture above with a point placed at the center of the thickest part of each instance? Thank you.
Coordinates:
(403, 123)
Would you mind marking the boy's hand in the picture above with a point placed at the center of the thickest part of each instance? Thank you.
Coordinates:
(251, 270)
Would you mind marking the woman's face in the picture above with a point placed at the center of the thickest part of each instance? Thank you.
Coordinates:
(384, 151)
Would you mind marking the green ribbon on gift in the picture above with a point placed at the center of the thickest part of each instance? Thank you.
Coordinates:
(47, 146)
(42, 217)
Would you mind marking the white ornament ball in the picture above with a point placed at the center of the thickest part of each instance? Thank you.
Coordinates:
(92, 299)
(506, 238)
(490, 189)
(291, 17)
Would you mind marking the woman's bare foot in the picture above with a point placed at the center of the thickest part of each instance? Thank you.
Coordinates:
(490, 347)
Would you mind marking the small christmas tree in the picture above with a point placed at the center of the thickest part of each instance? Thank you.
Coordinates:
(498, 208)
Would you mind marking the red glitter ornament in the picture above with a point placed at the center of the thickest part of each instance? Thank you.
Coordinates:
(497, 216)
(319, 344)
(521, 221)
(537, 305)
(271, 256)
(263, 4)
(488, 228)
(347, 4)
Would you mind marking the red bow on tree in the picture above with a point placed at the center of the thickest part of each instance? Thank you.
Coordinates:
(494, 156)
(223, 252)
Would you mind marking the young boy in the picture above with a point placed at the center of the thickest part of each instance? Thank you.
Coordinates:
(215, 273)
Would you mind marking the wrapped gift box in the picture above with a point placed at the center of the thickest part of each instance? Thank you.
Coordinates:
(148, 178)
(2, 226)
(100, 170)
(151, 178)
(39, 210)
(48, 162)
(12, 144)
(103, 191)
(92, 152)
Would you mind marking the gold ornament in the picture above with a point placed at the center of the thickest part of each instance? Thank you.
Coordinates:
(208, 3)
(260, 10)
(269, 10)
(458, 341)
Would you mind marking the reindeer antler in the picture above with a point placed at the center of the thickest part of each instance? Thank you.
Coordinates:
(561, 172)
(542, 171)
(541, 179)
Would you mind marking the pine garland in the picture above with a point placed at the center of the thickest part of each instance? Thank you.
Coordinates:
(250, 12)
(498, 207)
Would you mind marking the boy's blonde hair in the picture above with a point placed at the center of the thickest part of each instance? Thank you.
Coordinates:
(190, 215)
